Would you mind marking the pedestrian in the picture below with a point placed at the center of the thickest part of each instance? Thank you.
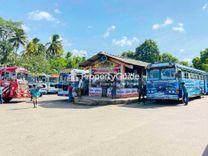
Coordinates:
(35, 94)
(1, 93)
(142, 90)
(74, 95)
(70, 88)
(80, 87)
(113, 91)
(185, 93)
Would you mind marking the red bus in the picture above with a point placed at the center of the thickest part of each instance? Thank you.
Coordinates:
(15, 84)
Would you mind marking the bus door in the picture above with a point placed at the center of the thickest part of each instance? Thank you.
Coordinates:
(206, 84)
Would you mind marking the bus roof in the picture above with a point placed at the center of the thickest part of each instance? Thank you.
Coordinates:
(12, 69)
(170, 64)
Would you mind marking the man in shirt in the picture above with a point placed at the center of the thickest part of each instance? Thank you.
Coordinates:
(1, 93)
(70, 88)
(185, 93)
(142, 89)
(35, 94)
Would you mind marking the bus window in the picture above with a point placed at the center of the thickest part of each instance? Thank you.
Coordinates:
(186, 75)
(154, 74)
(22, 76)
(168, 73)
(5, 75)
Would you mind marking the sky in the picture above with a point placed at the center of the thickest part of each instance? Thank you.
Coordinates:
(86, 27)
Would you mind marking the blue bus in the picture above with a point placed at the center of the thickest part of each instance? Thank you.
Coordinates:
(69, 76)
(164, 81)
(206, 81)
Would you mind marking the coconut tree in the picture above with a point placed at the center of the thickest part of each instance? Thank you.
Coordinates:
(18, 38)
(55, 48)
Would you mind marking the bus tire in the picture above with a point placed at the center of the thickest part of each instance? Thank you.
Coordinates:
(7, 100)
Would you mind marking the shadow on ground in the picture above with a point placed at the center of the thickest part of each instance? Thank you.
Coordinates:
(156, 104)
(62, 104)
(205, 153)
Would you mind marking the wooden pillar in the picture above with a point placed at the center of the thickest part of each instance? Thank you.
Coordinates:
(122, 69)
(90, 74)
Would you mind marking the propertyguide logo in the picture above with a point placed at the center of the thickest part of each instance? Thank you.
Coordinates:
(114, 77)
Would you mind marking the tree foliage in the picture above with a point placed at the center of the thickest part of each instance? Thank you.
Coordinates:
(148, 51)
(168, 57)
(49, 58)
(128, 54)
(201, 62)
(36, 56)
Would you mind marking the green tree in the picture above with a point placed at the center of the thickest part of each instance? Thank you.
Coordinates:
(34, 47)
(74, 61)
(18, 38)
(197, 62)
(168, 57)
(202, 61)
(148, 51)
(128, 54)
(11, 37)
(204, 56)
(185, 63)
(58, 64)
(55, 48)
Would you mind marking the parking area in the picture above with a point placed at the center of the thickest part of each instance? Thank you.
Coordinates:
(58, 128)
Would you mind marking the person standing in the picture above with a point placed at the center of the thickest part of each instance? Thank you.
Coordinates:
(70, 88)
(185, 93)
(80, 86)
(35, 94)
(113, 91)
(142, 89)
(1, 93)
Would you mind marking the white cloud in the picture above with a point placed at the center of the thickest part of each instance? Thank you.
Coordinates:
(25, 28)
(155, 26)
(66, 43)
(205, 7)
(109, 30)
(181, 50)
(168, 21)
(57, 11)
(40, 15)
(125, 41)
(189, 60)
(89, 27)
(82, 53)
(179, 28)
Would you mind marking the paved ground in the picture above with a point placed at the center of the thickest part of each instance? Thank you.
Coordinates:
(56, 128)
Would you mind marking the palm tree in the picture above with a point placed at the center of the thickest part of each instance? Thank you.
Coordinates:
(32, 48)
(55, 48)
(18, 38)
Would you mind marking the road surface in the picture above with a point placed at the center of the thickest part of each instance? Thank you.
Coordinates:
(57, 128)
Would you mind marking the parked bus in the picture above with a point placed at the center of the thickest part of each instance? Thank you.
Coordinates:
(14, 81)
(164, 81)
(207, 84)
(69, 76)
(52, 84)
(48, 83)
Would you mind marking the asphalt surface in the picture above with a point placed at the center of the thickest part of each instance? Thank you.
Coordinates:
(57, 128)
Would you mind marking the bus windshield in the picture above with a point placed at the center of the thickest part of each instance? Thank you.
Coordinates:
(154, 74)
(63, 77)
(163, 74)
(53, 79)
(168, 73)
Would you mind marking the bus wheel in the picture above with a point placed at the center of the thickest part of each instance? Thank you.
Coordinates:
(7, 100)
